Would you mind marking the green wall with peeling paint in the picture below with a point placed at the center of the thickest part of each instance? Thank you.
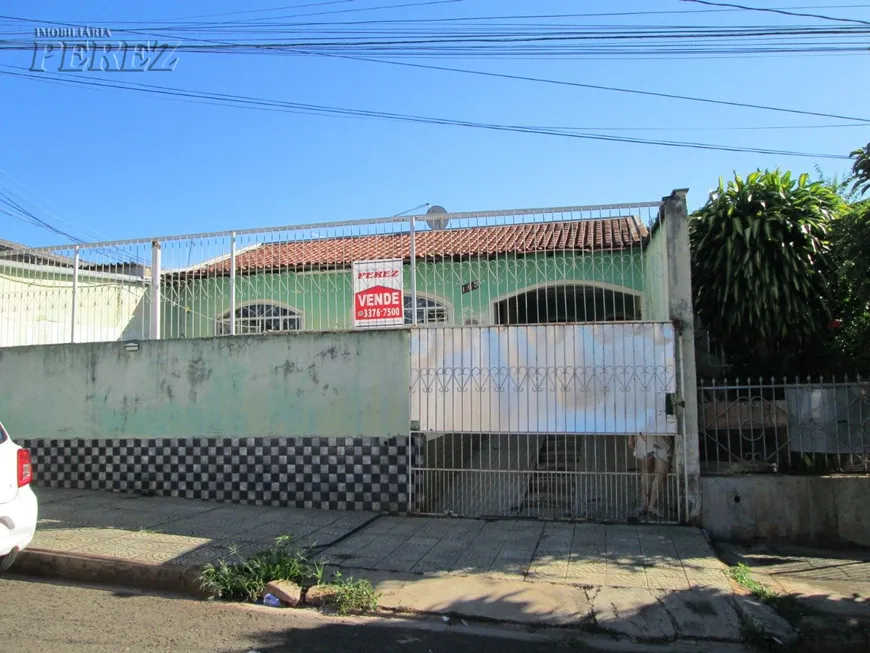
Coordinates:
(339, 384)
(325, 299)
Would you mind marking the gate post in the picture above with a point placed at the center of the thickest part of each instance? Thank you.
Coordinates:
(233, 284)
(681, 313)
(154, 332)
(75, 294)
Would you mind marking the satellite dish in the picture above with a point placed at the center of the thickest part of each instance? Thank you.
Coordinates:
(437, 219)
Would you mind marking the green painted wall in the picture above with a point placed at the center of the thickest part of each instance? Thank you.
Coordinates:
(338, 384)
(190, 308)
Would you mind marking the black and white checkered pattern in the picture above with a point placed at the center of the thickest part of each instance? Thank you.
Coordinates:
(328, 473)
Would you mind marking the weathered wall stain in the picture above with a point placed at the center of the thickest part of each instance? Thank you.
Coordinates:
(287, 368)
(166, 388)
(331, 352)
(92, 363)
(198, 373)
(347, 384)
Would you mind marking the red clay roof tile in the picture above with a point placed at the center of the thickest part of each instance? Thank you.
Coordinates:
(528, 238)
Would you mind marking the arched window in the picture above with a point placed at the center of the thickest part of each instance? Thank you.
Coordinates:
(429, 311)
(260, 318)
(567, 304)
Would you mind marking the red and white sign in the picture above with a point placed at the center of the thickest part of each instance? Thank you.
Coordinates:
(377, 293)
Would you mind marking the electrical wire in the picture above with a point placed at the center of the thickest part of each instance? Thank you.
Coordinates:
(257, 11)
(448, 19)
(321, 110)
(288, 50)
(81, 228)
(782, 12)
(15, 201)
(26, 216)
(583, 40)
(600, 87)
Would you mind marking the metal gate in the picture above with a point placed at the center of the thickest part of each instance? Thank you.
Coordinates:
(559, 421)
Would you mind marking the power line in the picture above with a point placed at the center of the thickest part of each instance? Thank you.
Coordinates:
(288, 50)
(598, 87)
(609, 41)
(451, 19)
(862, 125)
(295, 107)
(531, 34)
(83, 228)
(257, 11)
(14, 200)
(378, 8)
(782, 12)
(27, 216)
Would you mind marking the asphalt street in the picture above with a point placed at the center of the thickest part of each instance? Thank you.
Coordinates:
(46, 617)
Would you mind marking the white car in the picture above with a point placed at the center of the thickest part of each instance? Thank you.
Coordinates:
(18, 505)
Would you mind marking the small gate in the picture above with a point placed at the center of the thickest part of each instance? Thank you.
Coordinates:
(550, 421)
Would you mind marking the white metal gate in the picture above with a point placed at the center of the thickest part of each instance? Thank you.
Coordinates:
(551, 421)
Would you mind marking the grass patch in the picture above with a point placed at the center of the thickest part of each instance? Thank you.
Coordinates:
(353, 596)
(786, 605)
(245, 579)
(742, 573)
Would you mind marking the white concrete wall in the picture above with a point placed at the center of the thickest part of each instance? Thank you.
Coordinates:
(819, 510)
(36, 306)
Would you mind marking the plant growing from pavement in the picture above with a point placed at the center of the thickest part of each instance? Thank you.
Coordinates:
(245, 578)
(786, 605)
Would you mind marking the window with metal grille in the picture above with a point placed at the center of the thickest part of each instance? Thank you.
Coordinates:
(429, 311)
(260, 318)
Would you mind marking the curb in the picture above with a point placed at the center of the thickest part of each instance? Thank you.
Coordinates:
(183, 580)
(109, 571)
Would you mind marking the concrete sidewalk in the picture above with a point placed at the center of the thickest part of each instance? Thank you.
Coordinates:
(826, 592)
(649, 583)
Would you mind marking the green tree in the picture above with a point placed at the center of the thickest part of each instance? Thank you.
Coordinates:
(861, 169)
(850, 238)
(760, 266)
(848, 346)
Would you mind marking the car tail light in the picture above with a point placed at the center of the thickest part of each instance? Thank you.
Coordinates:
(25, 468)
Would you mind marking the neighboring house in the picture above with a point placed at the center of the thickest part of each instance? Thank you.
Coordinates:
(36, 298)
(531, 273)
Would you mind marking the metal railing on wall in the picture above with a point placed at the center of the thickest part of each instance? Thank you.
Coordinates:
(526, 266)
(799, 425)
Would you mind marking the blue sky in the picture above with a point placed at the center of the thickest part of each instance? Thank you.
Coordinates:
(116, 164)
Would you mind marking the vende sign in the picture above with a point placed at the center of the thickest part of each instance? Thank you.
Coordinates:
(377, 293)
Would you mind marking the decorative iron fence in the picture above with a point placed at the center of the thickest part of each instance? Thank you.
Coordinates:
(805, 426)
(526, 266)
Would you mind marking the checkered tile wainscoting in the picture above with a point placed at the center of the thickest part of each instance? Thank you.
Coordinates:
(328, 473)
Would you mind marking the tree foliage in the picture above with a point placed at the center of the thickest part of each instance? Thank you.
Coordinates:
(861, 169)
(761, 270)
(849, 347)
